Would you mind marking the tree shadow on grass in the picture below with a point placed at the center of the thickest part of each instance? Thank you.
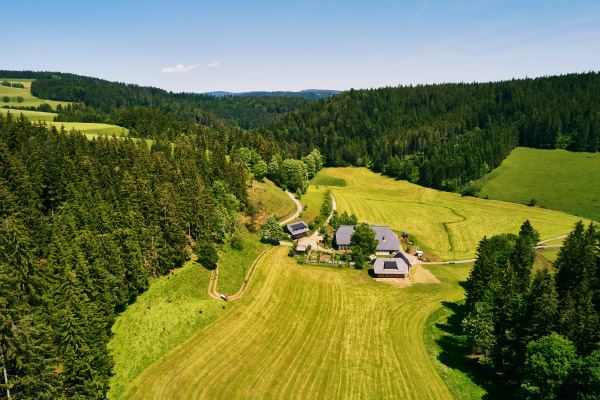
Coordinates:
(455, 354)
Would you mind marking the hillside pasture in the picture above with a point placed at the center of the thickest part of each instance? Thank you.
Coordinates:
(89, 129)
(310, 332)
(33, 116)
(29, 100)
(557, 179)
(138, 338)
(272, 200)
(444, 224)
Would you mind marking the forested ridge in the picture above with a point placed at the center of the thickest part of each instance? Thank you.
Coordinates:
(99, 100)
(539, 327)
(446, 135)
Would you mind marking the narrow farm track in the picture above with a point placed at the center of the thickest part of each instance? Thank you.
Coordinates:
(212, 284)
(298, 209)
(551, 239)
(310, 332)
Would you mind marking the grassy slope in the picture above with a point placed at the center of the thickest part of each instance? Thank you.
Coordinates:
(28, 99)
(532, 174)
(138, 338)
(273, 200)
(310, 332)
(89, 129)
(312, 201)
(441, 223)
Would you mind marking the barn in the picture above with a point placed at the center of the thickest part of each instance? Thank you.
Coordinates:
(387, 241)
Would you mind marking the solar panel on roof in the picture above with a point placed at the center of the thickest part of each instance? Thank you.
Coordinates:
(390, 265)
(298, 225)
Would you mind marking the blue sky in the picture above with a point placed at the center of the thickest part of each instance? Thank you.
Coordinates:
(200, 46)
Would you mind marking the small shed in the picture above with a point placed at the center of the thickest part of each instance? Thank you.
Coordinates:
(300, 248)
(297, 229)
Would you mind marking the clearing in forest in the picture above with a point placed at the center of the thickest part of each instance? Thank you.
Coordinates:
(310, 332)
(91, 130)
(556, 179)
(28, 100)
(442, 223)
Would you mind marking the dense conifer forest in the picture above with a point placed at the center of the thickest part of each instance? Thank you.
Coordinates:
(539, 328)
(446, 135)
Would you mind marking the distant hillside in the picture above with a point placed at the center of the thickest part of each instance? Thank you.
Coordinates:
(556, 179)
(312, 94)
(100, 99)
(447, 135)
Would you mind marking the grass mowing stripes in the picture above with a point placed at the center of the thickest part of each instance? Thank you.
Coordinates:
(556, 179)
(442, 223)
(310, 332)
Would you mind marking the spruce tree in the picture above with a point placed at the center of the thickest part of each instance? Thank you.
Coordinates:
(481, 274)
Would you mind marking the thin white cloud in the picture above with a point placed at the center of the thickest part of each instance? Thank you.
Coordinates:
(214, 65)
(179, 69)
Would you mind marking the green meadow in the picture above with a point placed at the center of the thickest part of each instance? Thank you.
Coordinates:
(443, 224)
(271, 199)
(310, 332)
(29, 100)
(557, 179)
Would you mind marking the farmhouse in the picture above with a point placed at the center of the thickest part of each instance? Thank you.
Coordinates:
(387, 241)
(297, 229)
(396, 267)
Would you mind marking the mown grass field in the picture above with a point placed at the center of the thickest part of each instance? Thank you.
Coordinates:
(310, 332)
(28, 99)
(557, 179)
(442, 223)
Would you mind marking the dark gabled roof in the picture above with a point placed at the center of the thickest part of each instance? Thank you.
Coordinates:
(386, 238)
(297, 227)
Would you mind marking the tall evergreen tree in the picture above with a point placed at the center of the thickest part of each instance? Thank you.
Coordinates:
(481, 274)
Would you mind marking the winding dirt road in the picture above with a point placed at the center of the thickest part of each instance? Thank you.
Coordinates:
(298, 209)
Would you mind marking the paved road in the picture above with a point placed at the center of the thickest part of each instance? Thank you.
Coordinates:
(298, 209)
